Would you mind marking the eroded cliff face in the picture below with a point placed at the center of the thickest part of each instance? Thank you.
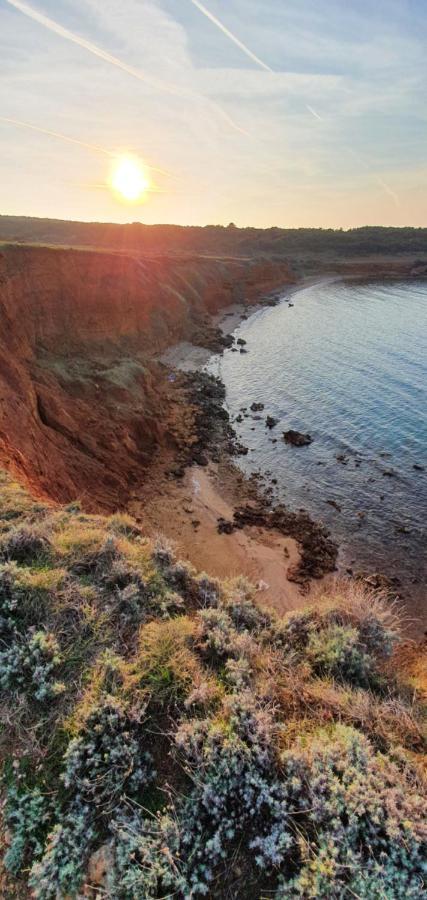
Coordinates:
(84, 407)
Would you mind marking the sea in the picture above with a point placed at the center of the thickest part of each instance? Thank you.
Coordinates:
(347, 363)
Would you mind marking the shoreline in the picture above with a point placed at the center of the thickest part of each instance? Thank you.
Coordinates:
(190, 358)
(193, 506)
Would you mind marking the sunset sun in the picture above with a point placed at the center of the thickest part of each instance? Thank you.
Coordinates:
(129, 179)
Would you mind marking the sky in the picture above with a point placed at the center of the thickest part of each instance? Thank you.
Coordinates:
(262, 112)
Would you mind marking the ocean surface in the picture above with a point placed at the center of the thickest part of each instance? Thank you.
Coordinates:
(348, 364)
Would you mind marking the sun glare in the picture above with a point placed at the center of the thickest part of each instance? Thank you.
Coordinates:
(129, 179)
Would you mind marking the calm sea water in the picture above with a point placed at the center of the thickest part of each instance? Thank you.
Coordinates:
(348, 364)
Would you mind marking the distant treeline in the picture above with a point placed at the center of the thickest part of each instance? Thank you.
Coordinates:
(215, 239)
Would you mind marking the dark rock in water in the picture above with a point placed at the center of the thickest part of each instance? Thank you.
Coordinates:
(342, 458)
(233, 349)
(271, 422)
(243, 350)
(239, 418)
(389, 473)
(297, 438)
(290, 304)
(418, 467)
(257, 407)
(334, 504)
(241, 342)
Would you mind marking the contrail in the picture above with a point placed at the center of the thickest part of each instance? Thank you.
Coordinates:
(70, 140)
(56, 134)
(313, 112)
(231, 36)
(68, 35)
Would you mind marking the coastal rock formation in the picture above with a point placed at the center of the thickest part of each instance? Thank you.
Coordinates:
(84, 406)
(297, 438)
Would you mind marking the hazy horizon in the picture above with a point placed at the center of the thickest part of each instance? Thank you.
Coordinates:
(264, 114)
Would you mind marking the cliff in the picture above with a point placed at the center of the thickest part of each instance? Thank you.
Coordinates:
(83, 405)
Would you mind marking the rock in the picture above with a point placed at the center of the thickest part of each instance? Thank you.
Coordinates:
(418, 467)
(334, 504)
(243, 350)
(342, 458)
(233, 349)
(271, 422)
(389, 473)
(241, 342)
(239, 418)
(297, 438)
(257, 407)
(290, 304)
(224, 526)
(100, 863)
(179, 472)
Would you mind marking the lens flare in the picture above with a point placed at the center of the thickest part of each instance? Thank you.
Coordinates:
(129, 179)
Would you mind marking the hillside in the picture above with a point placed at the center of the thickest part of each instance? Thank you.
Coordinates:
(80, 333)
(297, 243)
(164, 736)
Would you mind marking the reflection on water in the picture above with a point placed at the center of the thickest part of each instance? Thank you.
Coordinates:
(348, 364)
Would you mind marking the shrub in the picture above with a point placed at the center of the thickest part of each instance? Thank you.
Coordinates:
(343, 642)
(237, 796)
(61, 870)
(29, 664)
(337, 651)
(106, 760)
(25, 544)
(26, 815)
(146, 858)
(360, 818)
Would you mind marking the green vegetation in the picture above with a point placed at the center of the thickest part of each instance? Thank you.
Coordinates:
(163, 736)
(215, 239)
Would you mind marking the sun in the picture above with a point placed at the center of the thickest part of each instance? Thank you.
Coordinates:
(129, 179)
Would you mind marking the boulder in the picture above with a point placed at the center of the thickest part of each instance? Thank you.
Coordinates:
(297, 438)
(271, 421)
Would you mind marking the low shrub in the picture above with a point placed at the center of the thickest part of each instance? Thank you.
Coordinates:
(361, 821)
(29, 665)
(344, 642)
(106, 760)
(27, 814)
(25, 545)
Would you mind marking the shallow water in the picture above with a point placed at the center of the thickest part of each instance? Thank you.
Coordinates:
(348, 364)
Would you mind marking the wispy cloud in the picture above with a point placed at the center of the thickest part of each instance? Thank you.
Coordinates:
(243, 47)
(155, 83)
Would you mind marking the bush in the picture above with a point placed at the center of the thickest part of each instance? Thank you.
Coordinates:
(106, 760)
(29, 664)
(361, 821)
(25, 545)
(237, 797)
(337, 651)
(61, 870)
(146, 858)
(345, 643)
(26, 815)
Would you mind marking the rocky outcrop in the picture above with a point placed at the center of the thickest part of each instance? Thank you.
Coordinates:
(84, 407)
(297, 438)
